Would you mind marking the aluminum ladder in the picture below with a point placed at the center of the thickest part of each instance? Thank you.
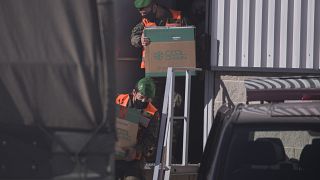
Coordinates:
(163, 167)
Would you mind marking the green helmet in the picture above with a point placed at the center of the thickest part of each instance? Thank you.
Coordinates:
(142, 3)
(146, 87)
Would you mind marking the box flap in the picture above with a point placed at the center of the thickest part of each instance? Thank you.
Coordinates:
(168, 34)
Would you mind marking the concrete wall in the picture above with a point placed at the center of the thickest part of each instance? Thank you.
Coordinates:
(235, 88)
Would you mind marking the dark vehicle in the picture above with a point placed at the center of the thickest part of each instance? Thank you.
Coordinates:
(264, 141)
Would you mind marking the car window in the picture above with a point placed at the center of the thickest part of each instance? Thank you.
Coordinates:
(292, 142)
(272, 154)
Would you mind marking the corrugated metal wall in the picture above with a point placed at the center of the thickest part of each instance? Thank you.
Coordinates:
(266, 33)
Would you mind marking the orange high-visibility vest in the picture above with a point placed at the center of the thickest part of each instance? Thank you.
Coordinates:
(123, 100)
(175, 15)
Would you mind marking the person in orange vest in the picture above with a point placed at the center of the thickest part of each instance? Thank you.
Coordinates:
(140, 98)
(153, 14)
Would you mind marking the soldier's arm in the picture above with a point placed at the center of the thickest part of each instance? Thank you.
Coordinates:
(136, 34)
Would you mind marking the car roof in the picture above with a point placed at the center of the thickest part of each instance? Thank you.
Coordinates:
(297, 112)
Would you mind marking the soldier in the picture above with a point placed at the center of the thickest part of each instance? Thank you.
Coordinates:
(140, 98)
(152, 14)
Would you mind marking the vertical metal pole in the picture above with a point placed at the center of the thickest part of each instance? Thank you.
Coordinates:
(186, 119)
(208, 106)
(205, 113)
(169, 84)
(170, 129)
(163, 129)
(211, 92)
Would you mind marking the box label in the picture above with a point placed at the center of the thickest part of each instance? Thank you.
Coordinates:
(161, 55)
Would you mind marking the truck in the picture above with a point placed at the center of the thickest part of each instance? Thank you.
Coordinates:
(256, 141)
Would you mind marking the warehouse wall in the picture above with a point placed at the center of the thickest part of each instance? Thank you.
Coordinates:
(266, 33)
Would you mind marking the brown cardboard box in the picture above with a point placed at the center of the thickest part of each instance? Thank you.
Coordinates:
(170, 47)
(127, 126)
(127, 137)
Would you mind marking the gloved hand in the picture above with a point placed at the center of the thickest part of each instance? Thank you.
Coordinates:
(150, 154)
(145, 41)
(130, 154)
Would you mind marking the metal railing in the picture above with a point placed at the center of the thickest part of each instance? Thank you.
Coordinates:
(163, 165)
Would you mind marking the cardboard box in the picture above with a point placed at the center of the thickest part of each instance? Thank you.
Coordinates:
(170, 47)
(127, 125)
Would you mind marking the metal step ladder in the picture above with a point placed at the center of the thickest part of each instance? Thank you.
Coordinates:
(163, 167)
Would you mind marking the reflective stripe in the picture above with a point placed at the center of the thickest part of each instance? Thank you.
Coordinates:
(150, 109)
(123, 100)
(147, 23)
(142, 65)
(175, 15)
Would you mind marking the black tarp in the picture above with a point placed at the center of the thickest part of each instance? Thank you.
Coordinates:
(56, 63)
(56, 87)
